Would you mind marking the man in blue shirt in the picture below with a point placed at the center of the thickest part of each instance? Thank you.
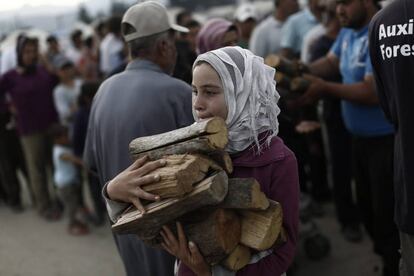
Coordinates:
(371, 133)
(297, 26)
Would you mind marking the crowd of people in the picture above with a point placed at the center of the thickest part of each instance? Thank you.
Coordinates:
(333, 142)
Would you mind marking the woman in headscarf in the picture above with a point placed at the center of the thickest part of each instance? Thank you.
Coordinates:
(216, 33)
(237, 86)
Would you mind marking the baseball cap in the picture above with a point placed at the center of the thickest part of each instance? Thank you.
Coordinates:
(62, 62)
(244, 12)
(148, 18)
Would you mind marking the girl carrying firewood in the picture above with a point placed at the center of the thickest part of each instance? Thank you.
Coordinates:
(237, 86)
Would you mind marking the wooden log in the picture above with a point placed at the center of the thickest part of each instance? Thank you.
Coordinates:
(210, 191)
(245, 193)
(241, 255)
(214, 130)
(211, 234)
(178, 175)
(299, 85)
(260, 229)
(222, 159)
(238, 258)
(282, 80)
(281, 239)
(199, 145)
(283, 65)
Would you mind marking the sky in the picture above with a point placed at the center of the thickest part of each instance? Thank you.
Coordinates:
(16, 4)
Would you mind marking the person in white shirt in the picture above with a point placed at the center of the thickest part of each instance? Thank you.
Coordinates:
(266, 36)
(9, 56)
(66, 94)
(73, 53)
(111, 48)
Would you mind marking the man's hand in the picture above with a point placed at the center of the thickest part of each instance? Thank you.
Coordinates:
(126, 186)
(188, 253)
(305, 127)
(315, 91)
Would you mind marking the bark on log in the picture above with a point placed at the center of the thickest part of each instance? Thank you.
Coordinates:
(299, 85)
(178, 175)
(281, 239)
(244, 193)
(197, 145)
(238, 258)
(260, 229)
(211, 234)
(283, 65)
(222, 159)
(214, 130)
(282, 80)
(210, 191)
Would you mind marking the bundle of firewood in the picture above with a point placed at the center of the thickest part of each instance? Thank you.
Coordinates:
(226, 218)
(289, 74)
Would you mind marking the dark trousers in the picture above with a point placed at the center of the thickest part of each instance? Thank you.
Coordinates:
(140, 259)
(309, 154)
(71, 197)
(340, 151)
(373, 171)
(11, 159)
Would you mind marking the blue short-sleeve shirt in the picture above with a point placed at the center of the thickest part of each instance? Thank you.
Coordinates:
(351, 48)
(295, 29)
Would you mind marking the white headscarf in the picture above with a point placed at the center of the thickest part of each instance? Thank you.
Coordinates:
(250, 94)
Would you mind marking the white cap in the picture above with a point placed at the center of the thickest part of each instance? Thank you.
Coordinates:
(148, 18)
(244, 12)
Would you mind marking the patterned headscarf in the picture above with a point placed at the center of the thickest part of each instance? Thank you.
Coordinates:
(210, 37)
(250, 94)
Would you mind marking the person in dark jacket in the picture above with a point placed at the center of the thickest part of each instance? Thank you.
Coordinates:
(392, 56)
(142, 100)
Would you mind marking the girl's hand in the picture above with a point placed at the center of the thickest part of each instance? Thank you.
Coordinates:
(188, 253)
(126, 186)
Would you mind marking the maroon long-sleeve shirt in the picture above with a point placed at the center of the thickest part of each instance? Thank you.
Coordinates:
(276, 171)
(32, 97)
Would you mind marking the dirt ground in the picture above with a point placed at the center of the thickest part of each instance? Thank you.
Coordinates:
(30, 246)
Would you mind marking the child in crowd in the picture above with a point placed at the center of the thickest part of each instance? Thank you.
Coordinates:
(237, 86)
(66, 179)
(80, 127)
(65, 95)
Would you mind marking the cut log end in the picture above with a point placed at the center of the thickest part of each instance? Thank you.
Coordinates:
(227, 221)
(238, 258)
(260, 229)
(245, 194)
(272, 60)
(259, 199)
(215, 125)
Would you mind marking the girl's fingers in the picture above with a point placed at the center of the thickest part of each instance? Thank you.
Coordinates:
(140, 193)
(164, 237)
(182, 239)
(166, 248)
(195, 253)
(138, 163)
(138, 205)
(170, 236)
(151, 166)
(147, 179)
